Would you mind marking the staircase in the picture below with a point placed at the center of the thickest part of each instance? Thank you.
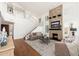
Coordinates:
(22, 26)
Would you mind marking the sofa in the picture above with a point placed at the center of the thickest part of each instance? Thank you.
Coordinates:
(34, 36)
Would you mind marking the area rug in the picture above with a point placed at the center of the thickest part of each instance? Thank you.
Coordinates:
(42, 48)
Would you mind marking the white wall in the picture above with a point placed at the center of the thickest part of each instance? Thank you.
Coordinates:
(71, 15)
(22, 25)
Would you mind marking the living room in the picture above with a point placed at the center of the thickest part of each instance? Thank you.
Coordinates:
(46, 32)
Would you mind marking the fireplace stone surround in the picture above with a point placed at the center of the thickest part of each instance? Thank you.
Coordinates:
(55, 35)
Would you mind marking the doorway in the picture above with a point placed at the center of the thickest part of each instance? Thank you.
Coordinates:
(6, 28)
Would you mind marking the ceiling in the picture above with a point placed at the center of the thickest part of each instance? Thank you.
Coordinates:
(39, 8)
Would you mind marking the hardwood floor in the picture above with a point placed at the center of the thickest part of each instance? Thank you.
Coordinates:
(23, 49)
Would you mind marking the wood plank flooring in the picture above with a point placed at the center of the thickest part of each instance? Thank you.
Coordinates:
(23, 49)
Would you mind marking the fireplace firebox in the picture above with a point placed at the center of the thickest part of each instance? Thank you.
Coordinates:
(55, 36)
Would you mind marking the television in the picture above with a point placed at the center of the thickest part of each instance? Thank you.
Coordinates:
(55, 25)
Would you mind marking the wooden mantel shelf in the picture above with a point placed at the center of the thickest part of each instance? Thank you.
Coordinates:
(8, 49)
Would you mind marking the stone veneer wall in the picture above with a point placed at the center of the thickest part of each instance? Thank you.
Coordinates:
(54, 12)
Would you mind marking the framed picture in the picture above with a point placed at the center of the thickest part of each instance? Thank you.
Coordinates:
(10, 8)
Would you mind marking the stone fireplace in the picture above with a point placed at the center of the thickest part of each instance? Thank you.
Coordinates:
(56, 23)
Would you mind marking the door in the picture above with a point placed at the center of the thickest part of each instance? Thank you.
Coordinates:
(6, 28)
